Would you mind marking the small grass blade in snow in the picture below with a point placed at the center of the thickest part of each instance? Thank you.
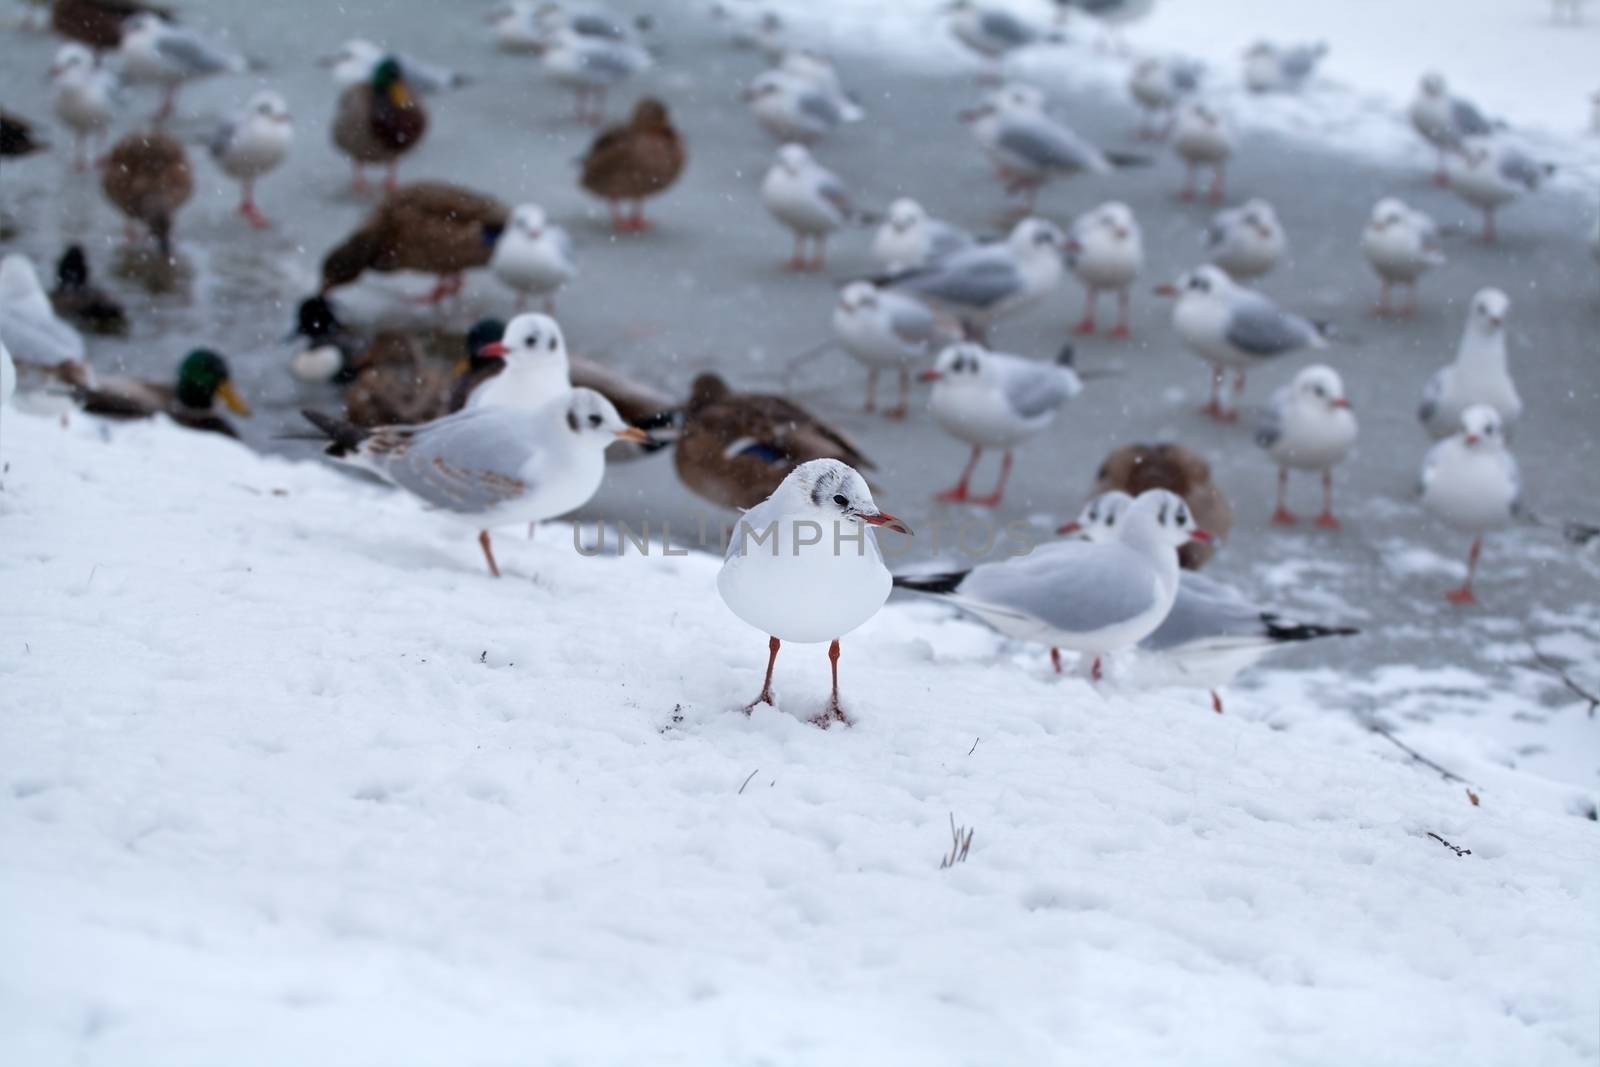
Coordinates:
(1458, 851)
(961, 841)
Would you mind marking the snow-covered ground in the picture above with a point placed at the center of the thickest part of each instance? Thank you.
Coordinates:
(1508, 56)
(288, 779)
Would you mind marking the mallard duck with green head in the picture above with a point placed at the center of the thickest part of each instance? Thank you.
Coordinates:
(203, 379)
(378, 121)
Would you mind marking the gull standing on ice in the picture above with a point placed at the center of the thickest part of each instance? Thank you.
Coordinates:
(804, 566)
(1202, 137)
(253, 144)
(1228, 325)
(995, 400)
(1479, 374)
(492, 466)
(807, 198)
(1445, 121)
(1027, 145)
(886, 330)
(1308, 426)
(801, 99)
(1402, 244)
(1271, 69)
(1158, 85)
(1106, 252)
(1470, 480)
(987, 282)
(83, 96)
(1246, 241)
(156, 52)
(357, 61)
(1095, 599)
(991, 31)
(909, 237)
(1212, 632)
(589, 66)
(1489, 174)
(533, 256)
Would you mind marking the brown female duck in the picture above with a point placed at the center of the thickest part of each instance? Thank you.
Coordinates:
(378, 121)
(638, 159)
(432, 227)
(98, 23)
(1133, 468)
(148, 177)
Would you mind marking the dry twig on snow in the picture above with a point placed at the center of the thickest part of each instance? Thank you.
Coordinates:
(961, 841)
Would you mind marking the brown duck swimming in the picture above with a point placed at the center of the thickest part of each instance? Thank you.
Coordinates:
(638, 159)
(432, 227)
(148, 177)
(98, 23)
(735, 448)
(1133, 468)
(203, 378)
(378, 121)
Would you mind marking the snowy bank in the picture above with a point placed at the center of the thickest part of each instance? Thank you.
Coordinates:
(288, 779)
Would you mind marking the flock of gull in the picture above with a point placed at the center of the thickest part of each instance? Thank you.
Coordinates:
(519, 430)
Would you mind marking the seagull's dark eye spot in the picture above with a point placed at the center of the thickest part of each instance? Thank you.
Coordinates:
(595, 420)
(552, 343)
(841, 500)
(531, 342)
(1183, 519)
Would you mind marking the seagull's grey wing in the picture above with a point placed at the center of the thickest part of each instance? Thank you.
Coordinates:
(468, 462)
(1298, 63)
(1051, 147)
(1433, 395)
(1216, 235)
(193, 54)
(1006, 28)
(944, 239)
(1186, 76)
(1466, 120)
(820, 107)
(1514, 473)
(606, 59)
(1270, 428)
(1073, 591)
(1034, 390)
(563, 242)
(1198, 614)
(594, 24)
(1261, 328)
(978, 280)
(1522, 169)
(220, 138)
(831, 189)
(913, 323)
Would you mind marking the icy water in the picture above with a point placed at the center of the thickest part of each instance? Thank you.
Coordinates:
(705, 290)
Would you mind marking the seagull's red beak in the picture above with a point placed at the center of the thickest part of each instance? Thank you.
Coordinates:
(887, 521)
(929, 376)
(1472, 439)
(1070, 528)
(1166, 290)
(1340, 402)
(494, 349)
(1201, 536)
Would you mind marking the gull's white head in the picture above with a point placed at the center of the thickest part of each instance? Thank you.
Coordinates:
(1116, 218)
(1320, 384)
(794, 158)
(1489, 310)
(528, 219)
(1481, 428)
(268, 106)
(1260, 216)
(1035, 233)
(838, 492)
(859, 296)
(72, 61)
(1098, 520)
(1390, 211)
(905, 213)
(1203, 283)
(1433, 84)
(1163, 517)
(961, 365)
(594, 420)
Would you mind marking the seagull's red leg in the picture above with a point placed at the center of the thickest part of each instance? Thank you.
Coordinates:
(1086, 324)
(1187, 192)
(1121, 330)
(959, 493)
(798, 260)
(247, 206)
(1214, 406)
(1410, 307)
(1464, 594)
(822, 248)
(1441, 176)
(1383, 310)
(993, 499)
(1216, 702)
(872, 391)
(834, 712)
(1326, 519)
(1055, 659)
(899, 410)
(766, 686)
(488, 553)
(1488, 225)
(1217, 182)
(1283, 516)
(1096, 670)
(638, 223)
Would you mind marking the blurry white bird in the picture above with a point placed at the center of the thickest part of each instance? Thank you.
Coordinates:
(804, 566)
(516, 26)
(819, 70)
(1479, 374)
(1027, 146)
(987, 282)
(156, 52)
(533, 256)
(536, 368)
(1157, 85)
(1445, 121)
(749, 26)
(1246, 241)
(1202, 137)
(1470, 480)
(1402, 244)
(29, 326)
(992, 31)
(909, 237)
(794, 109)
(589, 66)
(252, 144)
(1095, 599)
(886, 330)
(1212, 632)
(807, 198)
(1106, 252)
(1308, 426)
(357, 58)
(1488, 174)
(83, 96)
(1228, 325)
(1269, 68)
(587, 20)
(995, 400)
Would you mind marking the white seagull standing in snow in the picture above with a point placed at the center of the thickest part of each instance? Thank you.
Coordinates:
(1158, 85)
(1202, 137)
(807, 198)
(1246, 241)
(804, 566)
(1212, 632)
(1271, 69)
(1308, 426)
(1470, 480)
(83, 96)
(1230, 326)
(1488, 174)
(987, 282)
(590, 66)
(1479, 374)
(886, 330)
(533, 256)
(1445, 121)
(1027, 145)
(992, 31)
(1402, 244)
(536, 369)
(1095, 599)
(995, 400)
(1106, 252)
(252, 144)
(156, 52)
(909, 237)
(795, 108)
